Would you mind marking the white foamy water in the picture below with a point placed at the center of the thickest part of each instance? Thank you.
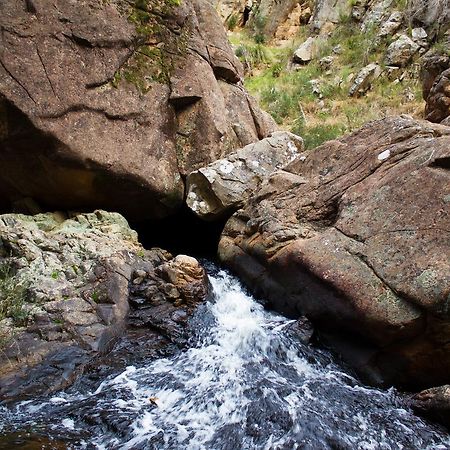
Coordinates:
(247, 384)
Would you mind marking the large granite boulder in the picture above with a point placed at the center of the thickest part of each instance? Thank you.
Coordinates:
(70, 286)
(223, 186)
(107, 104)
(356, 237)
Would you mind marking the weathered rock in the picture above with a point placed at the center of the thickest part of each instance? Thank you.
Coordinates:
(355, 237)
(222, 187)
(433, 14)
(433, 64)
(401, 51)
(434, 402)
(71, 280)
(438, 101)
(329, 11)
(419, 35)
(268, 15)
(326, 62)
(391, 25)
(102, 103)
(306, 51)
(364, 79)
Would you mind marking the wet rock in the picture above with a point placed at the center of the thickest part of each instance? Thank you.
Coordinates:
(306, 52)
(72, 281)
(364, 79)
(168, 296)
(345, 238)
(104, 104)
(435, 403)
(401, 51)
(223, 186)
(438, 100)
(301, 329)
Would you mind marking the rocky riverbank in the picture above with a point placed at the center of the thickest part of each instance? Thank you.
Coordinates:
(71, 287)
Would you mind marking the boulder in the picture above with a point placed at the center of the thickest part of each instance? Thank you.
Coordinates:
(401, 51)
(66, 285)
(364, 79)
(107, 104)
(419, 36)
(432, 65)
(355, 237)
(306, 51)
(223, 186)
(392, 24)
(438, 101)
(435, 403)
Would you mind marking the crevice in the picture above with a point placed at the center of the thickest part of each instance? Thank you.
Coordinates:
(46, 73)
(441, 163)
(85, 108)
(17, 81)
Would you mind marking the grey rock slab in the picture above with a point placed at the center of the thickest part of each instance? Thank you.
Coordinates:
(224, 185)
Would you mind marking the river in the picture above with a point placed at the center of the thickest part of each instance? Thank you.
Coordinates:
(247, 382)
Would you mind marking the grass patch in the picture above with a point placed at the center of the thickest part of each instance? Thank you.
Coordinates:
(313, 101)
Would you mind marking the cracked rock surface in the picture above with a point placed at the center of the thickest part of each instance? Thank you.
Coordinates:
(357, 238)
(107, 104)
(80, 283)
(224, 185)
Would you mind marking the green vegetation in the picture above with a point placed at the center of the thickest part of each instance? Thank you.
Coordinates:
(152, 60)
(13, 296)
(55, 274)
(313, 100)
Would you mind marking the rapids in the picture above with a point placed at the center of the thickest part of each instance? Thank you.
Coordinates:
(246, 382)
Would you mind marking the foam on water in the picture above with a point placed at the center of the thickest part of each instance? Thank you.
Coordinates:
(247, 384)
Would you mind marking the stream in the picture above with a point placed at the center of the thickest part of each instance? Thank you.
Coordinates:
(246, 382)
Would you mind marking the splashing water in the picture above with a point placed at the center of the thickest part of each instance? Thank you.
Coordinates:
(247, 383)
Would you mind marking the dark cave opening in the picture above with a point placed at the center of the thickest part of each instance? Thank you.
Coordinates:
(246, 15)
(182, 233)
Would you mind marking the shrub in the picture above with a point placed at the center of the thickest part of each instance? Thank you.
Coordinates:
(13, 295)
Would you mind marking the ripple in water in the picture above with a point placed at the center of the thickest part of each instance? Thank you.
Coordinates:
(246, 384)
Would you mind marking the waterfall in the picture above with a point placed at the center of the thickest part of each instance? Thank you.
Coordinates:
(247, 382)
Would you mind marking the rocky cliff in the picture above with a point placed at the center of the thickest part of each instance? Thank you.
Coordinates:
(110, 104)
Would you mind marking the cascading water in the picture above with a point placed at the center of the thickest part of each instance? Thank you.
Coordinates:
(247, 383)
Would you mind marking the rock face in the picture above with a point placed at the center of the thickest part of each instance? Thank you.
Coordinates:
(223, 186)
(329, 11)
(105, 104)
(356, 237)
(438, 100)
(65, 286)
